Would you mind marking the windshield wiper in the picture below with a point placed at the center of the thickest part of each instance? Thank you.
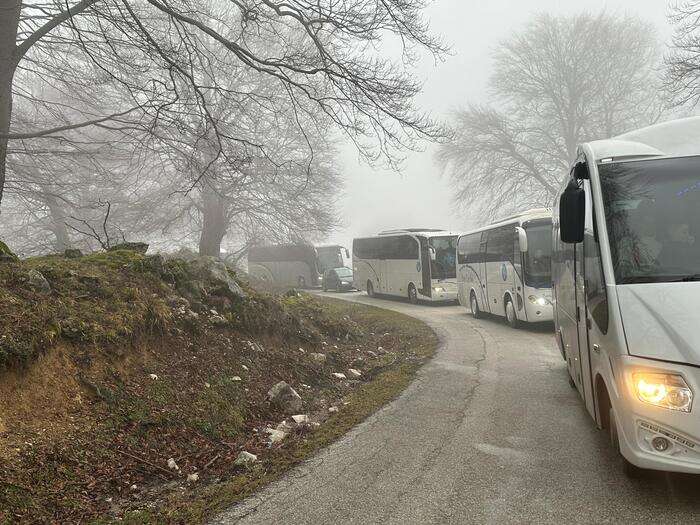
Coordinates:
(640, 279)
(689, 278)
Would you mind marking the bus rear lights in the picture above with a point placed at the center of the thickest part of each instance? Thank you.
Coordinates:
(660, 444)
(539, 301)
(663, 390)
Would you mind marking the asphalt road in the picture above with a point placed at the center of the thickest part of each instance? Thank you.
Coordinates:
(490, 431)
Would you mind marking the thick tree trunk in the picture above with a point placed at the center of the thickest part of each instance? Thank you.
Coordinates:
(9, 21)
(58, 223)
(214, 223)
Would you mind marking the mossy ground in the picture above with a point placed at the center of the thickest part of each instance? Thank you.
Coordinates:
(82, 421)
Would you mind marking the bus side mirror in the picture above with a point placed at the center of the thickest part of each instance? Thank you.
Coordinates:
(431, 250)
(572, 213)
(522, 239)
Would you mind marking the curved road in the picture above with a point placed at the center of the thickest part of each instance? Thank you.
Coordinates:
(490, 431)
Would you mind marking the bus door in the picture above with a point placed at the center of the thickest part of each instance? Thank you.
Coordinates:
(424, 264)
(594, 304)
(483, 299)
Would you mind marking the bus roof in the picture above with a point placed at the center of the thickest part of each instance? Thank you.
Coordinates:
(675, 138)
(520, 218)
(425, 232)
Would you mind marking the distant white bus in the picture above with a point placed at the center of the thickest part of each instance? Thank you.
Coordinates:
(299, 265)
(505, 268)
(418, 264)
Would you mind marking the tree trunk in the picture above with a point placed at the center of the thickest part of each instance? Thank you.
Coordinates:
(58, 223)
(9, 21)
(214, 223)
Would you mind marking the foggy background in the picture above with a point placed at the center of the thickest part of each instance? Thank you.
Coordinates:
(377, 199)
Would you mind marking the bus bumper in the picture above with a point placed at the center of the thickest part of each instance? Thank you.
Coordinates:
(539, 313)
(641, 424)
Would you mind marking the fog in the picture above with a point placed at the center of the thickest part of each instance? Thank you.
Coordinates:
(259, 131)
(378, 199)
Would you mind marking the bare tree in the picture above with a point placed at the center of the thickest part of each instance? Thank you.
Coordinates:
(560, 81)
(165, 62)
(682, 78)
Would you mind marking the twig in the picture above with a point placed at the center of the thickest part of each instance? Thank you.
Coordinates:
(212, 460)
(145, 461)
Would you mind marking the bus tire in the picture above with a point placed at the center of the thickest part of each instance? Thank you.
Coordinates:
(474, 305)
(511, 316)
(630, 469)
(370, 289)
(412, 294)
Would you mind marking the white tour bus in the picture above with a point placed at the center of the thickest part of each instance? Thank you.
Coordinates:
(418, 264)
(626, 270)
(505, 268)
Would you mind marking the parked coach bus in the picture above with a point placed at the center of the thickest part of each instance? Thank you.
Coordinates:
(299, 265)
(626, 270)
(418, 264)
(505, 268)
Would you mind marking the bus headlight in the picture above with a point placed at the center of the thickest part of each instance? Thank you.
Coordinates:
(539, 301)
(438, 289)
(663, 390)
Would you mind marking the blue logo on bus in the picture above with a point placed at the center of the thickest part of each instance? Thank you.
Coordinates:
(504, 271)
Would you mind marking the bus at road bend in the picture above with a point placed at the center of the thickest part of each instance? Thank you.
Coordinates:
(418, 264)
(505, 268)
(299, 265)
(626, 270)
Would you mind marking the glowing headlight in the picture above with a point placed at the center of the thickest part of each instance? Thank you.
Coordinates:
(539, 301)
(663, 390)
(438, 289)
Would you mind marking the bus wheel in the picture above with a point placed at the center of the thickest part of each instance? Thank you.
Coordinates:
(511, 316)
(370, 289)
(474, 305)
(631, 470)
(302, 282)
(412, 294)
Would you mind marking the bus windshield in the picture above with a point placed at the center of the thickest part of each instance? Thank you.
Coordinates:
(444, 265)
(329, 257)
(652, 211)
(538, 258)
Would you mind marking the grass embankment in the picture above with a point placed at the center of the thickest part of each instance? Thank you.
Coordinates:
(128, 361)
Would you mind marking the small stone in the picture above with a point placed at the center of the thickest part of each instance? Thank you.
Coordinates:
(134, 487)
(275, 435)
(236, 378)
(333, 409)
(245, 458)
(207, 385)
(172, 465)
(285, 397)
(371, 354)
(354, 373)
(244, 367)
(301, 419)
(301, 350)
(191, 478)
(318, 357)
(338, 375)
(380, 349)
(153, 376)
(38, 282)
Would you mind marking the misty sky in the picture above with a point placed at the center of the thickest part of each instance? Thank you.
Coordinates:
(376, 199)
